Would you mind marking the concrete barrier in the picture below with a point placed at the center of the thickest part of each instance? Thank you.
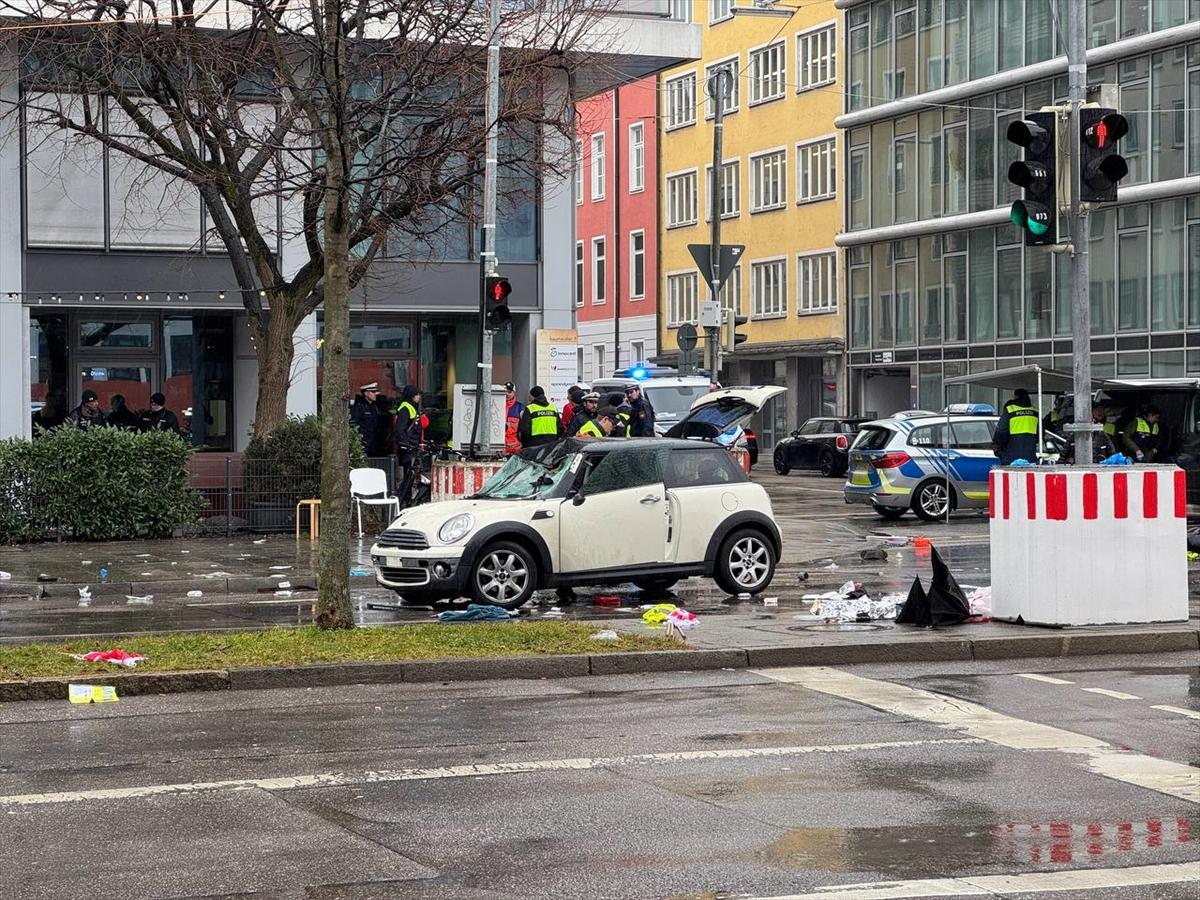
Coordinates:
(742, 456)
(453, 479)
(1094, 545)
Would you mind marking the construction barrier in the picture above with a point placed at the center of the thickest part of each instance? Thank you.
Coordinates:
(742, 456)
(453, 480)
(1091, 545)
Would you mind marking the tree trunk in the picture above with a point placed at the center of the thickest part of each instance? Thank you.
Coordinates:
(275, 350)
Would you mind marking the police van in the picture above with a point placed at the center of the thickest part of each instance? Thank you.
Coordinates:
(670, 393)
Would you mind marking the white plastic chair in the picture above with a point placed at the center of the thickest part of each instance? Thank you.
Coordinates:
(369, 487)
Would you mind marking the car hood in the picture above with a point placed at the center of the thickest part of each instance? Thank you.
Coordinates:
(430, 517)
(722, 410)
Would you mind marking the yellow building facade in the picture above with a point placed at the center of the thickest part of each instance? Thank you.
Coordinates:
(779, 197)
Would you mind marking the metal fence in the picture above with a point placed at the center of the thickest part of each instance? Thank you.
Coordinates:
(246, 495)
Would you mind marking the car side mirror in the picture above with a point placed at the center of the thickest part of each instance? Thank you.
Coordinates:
(577, 499)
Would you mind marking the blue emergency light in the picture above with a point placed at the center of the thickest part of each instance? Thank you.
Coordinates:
(970, 409)
(641, 373)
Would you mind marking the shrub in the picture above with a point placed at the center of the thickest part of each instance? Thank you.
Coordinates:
(285, 467)
(101, 484)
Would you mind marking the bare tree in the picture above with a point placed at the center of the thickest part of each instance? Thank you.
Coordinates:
(360, 120)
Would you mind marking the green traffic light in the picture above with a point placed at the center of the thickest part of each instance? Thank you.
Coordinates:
(1020, 217)
(1037, 228)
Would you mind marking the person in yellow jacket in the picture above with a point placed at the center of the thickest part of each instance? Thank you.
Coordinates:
(601, 426)
(1017, 431)
(540, 423)
(1140, 438)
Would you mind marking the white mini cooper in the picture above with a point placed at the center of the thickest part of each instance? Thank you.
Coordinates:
(646, 510)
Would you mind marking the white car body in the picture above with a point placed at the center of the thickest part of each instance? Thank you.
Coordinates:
(646, 510)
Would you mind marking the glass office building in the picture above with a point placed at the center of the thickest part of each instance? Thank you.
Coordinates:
(938, 281)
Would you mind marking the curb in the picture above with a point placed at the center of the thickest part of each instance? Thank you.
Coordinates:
(578, 665)
(233, 584)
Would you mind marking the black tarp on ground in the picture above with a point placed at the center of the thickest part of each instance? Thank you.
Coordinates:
(945, 604)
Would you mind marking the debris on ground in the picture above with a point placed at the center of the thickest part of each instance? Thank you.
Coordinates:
(850, 603)
(873, 554)
(5, 576)
(475, 612)
(944, 604)
(680, 620)
(116, 656)
(134, 600)
(359, 570)
(553, 613)
(91, 693)
(195, 594)
(47, 579)
(770, 601)
(606, 600)
(85, 592)
(657, 614)
(1117, 459)
(607, 635)
(979, 601)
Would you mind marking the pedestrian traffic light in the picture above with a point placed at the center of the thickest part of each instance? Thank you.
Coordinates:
(496, 292)
(1101, 166)
(1037, 213)
(730, 321)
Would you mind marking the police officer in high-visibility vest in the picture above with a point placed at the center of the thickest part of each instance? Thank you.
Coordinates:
(601, 426)
(540, 423)
(1017, 430)
(409, 431)
(1140, 437)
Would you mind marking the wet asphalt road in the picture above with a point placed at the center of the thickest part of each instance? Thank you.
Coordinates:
(702, 785)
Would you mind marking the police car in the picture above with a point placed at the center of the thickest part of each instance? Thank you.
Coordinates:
(924, 461)
(670, 393)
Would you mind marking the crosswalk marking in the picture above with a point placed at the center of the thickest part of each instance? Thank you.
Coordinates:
(1190, 713)
(1116, 695)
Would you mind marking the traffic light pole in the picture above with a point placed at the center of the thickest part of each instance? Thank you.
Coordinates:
(487, 256)
(718, 86)
(1081, 318)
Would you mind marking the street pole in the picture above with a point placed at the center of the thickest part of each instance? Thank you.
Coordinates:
(717, 87)
(1081, 319)
(487, 254)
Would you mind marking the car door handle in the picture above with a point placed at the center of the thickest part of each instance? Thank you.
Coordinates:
(650, 498)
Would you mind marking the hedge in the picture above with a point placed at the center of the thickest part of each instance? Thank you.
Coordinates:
(99, 484)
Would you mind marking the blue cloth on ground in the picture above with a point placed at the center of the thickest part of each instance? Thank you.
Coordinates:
(474, 611)
(1117, 459)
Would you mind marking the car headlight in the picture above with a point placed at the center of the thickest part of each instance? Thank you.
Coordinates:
(456, 529)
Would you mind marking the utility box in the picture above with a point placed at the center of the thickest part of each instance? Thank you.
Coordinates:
(1094, 545)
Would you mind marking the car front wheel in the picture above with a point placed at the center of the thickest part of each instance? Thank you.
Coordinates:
(745, 563)
(504, 575)
(781, 464)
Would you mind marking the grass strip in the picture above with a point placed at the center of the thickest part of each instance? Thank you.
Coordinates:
(296, 646)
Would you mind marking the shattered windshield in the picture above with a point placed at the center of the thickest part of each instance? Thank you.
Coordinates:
(526, 478)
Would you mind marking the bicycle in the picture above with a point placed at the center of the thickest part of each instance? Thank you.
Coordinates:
(415, 486)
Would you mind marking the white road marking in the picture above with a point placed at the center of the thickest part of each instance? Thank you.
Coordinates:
(1001, 885)
(1190, 713)
(1043, 678)
(1116, 695)
(477, 770)
(1167, 777)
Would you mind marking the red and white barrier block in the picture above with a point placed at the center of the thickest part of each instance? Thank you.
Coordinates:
(454, 480)
(1092, 545)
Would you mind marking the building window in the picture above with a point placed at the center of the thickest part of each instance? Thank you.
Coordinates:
(579, 273)
(637, 351)
(681, 10)
(597, 167)
(597, 361)
(637, 157)
(816, 283)
(730, 190)
(681, 299)
(681, 199)
(768, 184)
(578, 172)
(768, 73)
(733, 98)
(768, 289)
(816, 170)
(731, 291)
(599, 276)
(719, 10)
(681, 101)
(637, 264)
(816, 61)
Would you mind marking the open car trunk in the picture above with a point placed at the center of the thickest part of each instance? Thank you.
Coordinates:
(720, 411)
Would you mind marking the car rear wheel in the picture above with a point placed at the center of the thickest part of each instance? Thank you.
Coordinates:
(655, 585)
(890, 512)
(504, 575)
(932, 500)
(828, 465)
(745, 563)
(781, 464)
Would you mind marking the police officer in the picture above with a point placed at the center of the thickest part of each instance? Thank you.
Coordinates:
(87, 414)
(409, 431)
(641, 412)
(617, 401)
(602, 425)
(1016, 433)
(159, 418)
(1140, 438)
(584, 413)
(364, 413)
(540, 423)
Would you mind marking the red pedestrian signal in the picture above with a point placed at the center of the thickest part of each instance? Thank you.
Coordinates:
(1101, 165)
(497, 290)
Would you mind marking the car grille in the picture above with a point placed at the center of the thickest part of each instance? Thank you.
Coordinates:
(403, 540)
(404, 576)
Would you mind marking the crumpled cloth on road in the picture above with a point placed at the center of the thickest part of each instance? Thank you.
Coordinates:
(116, 656)
(658, 613)
(474, 612)
(850, 603)
(682, 619)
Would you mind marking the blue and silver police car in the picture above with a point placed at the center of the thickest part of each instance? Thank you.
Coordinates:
(922, 461)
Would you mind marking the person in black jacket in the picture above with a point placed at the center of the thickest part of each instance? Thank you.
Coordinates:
(364, 414)
(121, 416)
(159, 418)
(641, 412)
(409, 432)
(584, 413)
(87, 414)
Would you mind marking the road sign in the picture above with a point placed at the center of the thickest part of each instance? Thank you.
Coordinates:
(686, 336)
(730, 254)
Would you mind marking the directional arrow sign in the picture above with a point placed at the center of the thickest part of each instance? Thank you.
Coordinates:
(730, 254)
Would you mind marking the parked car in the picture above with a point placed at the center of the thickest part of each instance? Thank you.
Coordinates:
(925, 462)
(646, 510)
(820, 443)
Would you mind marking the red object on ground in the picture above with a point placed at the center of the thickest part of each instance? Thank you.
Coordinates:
(116, 655)
(607, 600)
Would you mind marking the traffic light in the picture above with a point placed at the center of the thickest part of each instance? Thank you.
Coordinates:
(1037, 214)
(730, 321)
(1101, 166)
(496, 290)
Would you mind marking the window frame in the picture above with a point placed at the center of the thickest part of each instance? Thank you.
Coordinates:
(680, 276)
(637, 184)
(753, 55)
(675, 177)
(735, 96)
(600, 278)
(637, 351)
(804, 38)
(737, 189)
(831, 168)
(814, 255)
(599, 182)
(634, 293)
(580, 273)
(670, 122)
(598, 360)
(757, 265)
(579, 172)
(713, 18)
(756, 207)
